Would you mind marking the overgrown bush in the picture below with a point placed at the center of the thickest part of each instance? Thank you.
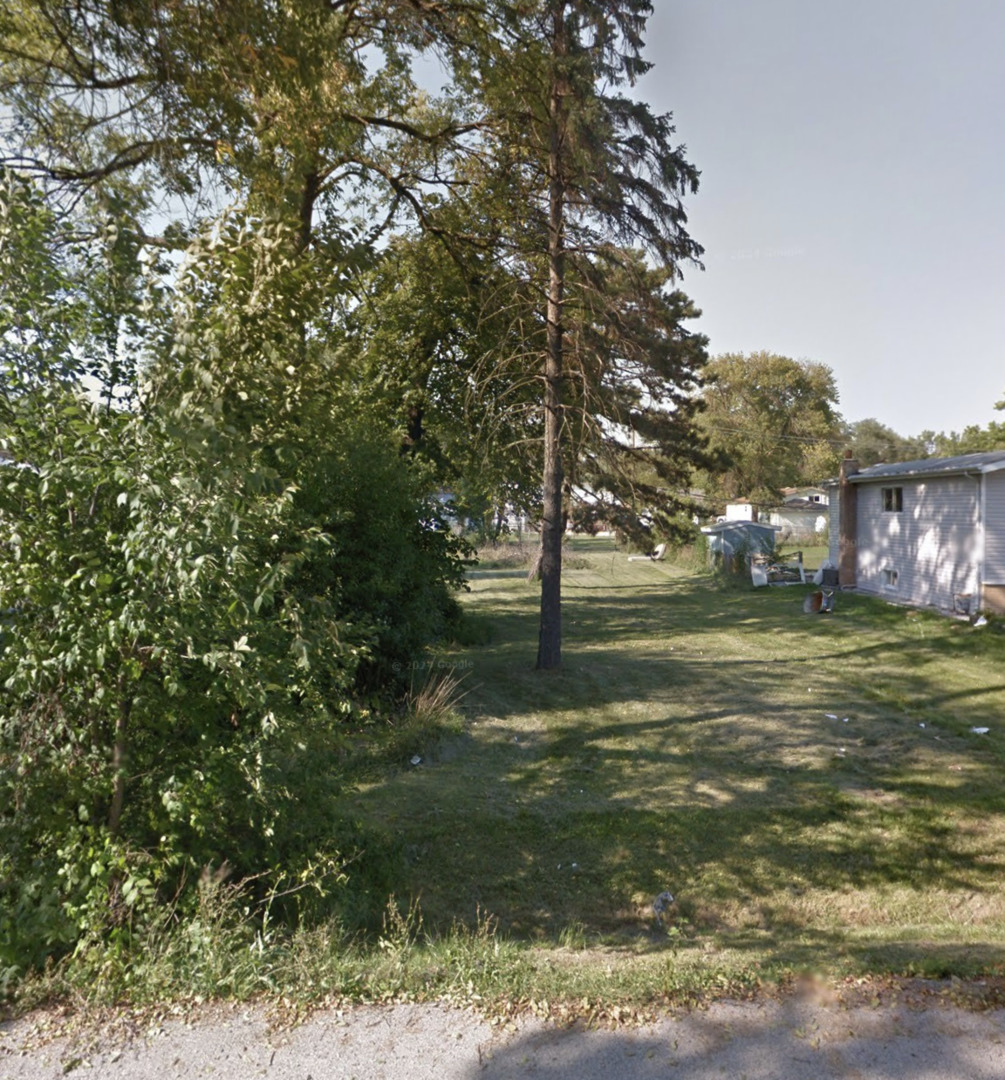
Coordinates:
(395, 565)
(200, 568)
(507, 554)
(160, 669)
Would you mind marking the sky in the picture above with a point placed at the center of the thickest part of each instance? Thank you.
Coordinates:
(852, 198)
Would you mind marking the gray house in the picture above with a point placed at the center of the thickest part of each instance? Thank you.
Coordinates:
(929, 532)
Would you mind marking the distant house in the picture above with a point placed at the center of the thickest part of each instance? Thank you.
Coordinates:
(929, 532)
(815, 495)
(802, 515)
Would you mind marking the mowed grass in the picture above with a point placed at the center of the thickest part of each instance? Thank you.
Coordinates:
(808, 786)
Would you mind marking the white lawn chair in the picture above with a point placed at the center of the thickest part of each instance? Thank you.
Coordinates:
(656, 555)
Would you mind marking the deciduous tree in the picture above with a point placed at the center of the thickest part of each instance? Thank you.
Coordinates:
(973, 439)
(872, 442)
(773, 421)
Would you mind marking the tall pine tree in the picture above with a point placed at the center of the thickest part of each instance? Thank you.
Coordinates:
(580, 172)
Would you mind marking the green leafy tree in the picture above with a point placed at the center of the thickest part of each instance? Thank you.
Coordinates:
(872, 442)
(154, 649)
(772, 421)
(295, 110)
(197, 587)
(973, 439)
(422, 339)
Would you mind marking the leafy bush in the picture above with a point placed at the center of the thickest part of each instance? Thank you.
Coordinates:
(395, 564)
(200, 568)
(160, 668)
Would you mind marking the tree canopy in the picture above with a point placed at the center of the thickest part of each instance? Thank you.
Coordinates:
(872, 442)
(261, 297)
(973, 439)
(772, 421)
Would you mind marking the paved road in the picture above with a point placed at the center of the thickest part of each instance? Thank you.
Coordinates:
(787, 1040)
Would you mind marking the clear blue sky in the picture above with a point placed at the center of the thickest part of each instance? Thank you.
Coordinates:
(852, 202)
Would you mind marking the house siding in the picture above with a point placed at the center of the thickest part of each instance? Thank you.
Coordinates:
(834, 531)
(994, 528)
(929, 551)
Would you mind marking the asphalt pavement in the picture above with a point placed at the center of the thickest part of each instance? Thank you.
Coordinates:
(775, 1040)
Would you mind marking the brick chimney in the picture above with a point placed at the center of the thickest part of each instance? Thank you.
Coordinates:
(848, 523)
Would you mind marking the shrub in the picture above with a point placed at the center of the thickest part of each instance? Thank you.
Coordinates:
(394, 565)
(161, 669)
(198, 575)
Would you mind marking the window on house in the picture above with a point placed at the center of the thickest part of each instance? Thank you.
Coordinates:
(890, 578)
(893, 499)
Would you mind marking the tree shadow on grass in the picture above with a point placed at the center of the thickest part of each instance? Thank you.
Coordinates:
(616, 643)
(641, 767)
(566, 833)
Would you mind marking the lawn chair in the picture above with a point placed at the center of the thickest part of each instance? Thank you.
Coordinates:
(656, 555)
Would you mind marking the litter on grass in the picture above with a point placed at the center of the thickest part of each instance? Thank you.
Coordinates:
(820, 602)
(416, 760)
(980, 730)
(661, 905)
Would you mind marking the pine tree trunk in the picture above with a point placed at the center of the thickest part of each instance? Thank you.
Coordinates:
(549, 651)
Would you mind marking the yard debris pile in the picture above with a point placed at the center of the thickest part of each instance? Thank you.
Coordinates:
(772, 569)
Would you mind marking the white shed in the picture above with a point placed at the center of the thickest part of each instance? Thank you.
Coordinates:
(799, 519)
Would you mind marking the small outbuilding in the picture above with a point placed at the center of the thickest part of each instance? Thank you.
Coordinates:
(928, 532)
(729, 539)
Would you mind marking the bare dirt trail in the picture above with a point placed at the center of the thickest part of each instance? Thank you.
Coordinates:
(776, 1040)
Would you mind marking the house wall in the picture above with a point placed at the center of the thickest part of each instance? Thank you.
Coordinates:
(740, 512)
(994, 528)
(932, 546)
(801, 525)
(834, 529)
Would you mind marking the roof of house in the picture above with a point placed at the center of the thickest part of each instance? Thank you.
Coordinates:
(988, 461)
(800, 504)
(729, 526)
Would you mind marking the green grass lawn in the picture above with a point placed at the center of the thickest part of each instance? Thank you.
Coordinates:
(809, 787)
